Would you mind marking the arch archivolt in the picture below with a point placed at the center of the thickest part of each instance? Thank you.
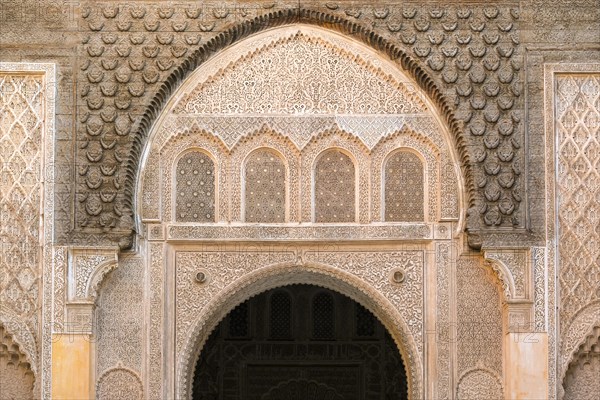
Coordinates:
(221, 295)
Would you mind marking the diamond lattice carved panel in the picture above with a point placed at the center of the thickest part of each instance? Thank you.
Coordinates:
(578, 190)
(21, 138)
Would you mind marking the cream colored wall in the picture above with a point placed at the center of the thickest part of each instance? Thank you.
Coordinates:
(526, 366)
(71, 367)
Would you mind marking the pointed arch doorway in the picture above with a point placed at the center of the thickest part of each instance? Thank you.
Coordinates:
(299, 342)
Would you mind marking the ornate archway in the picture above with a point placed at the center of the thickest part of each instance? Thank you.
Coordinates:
(281, 275)
(300, 342)
(299, 90)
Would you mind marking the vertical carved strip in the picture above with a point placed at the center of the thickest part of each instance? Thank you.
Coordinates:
(60, 268)
(155, 326)
(539, 293)
(119, 333)
(479, 325)
(443, 319)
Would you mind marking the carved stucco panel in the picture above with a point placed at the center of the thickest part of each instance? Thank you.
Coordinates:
(119, 384)
(87, 267)
(376, 269)
(320, 78)
(479, 323)
(514, 271)
(193, 138)
(119, 330)
(219, 267)
(480, 384)
(359, 155)
(409, 140)
(291, 157)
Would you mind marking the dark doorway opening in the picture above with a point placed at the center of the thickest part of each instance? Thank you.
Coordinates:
(300, 342)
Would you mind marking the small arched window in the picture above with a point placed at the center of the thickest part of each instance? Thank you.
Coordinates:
(365, 321)
(323, 317)
(281, 316)
(404, 192)
(195, 188)
(264, 187)
(334, 187)
(238, 321)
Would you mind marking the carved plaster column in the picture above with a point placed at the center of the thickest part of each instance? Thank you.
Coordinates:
(73, 349)
(525, 341)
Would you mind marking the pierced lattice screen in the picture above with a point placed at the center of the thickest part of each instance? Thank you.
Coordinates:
(404, 193)
(323, 316)
(334, 188)
(195, 196)
(365, 322)
(265, 187)
(281, 316)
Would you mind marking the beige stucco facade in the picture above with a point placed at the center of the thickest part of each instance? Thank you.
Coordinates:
(162, 163)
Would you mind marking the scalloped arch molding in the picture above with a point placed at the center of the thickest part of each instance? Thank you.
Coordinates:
(354, 32)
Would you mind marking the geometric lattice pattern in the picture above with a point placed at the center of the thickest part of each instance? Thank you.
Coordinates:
(404, 197)
(365, 321)
(281, 316)
(323, 316)
(578, 190)
(334, 188)
(265, 187)
(195, 197)
(21, 138)
(238, 321)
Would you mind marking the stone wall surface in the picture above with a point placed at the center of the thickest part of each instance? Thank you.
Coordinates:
(509, 80)
(119, 61)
